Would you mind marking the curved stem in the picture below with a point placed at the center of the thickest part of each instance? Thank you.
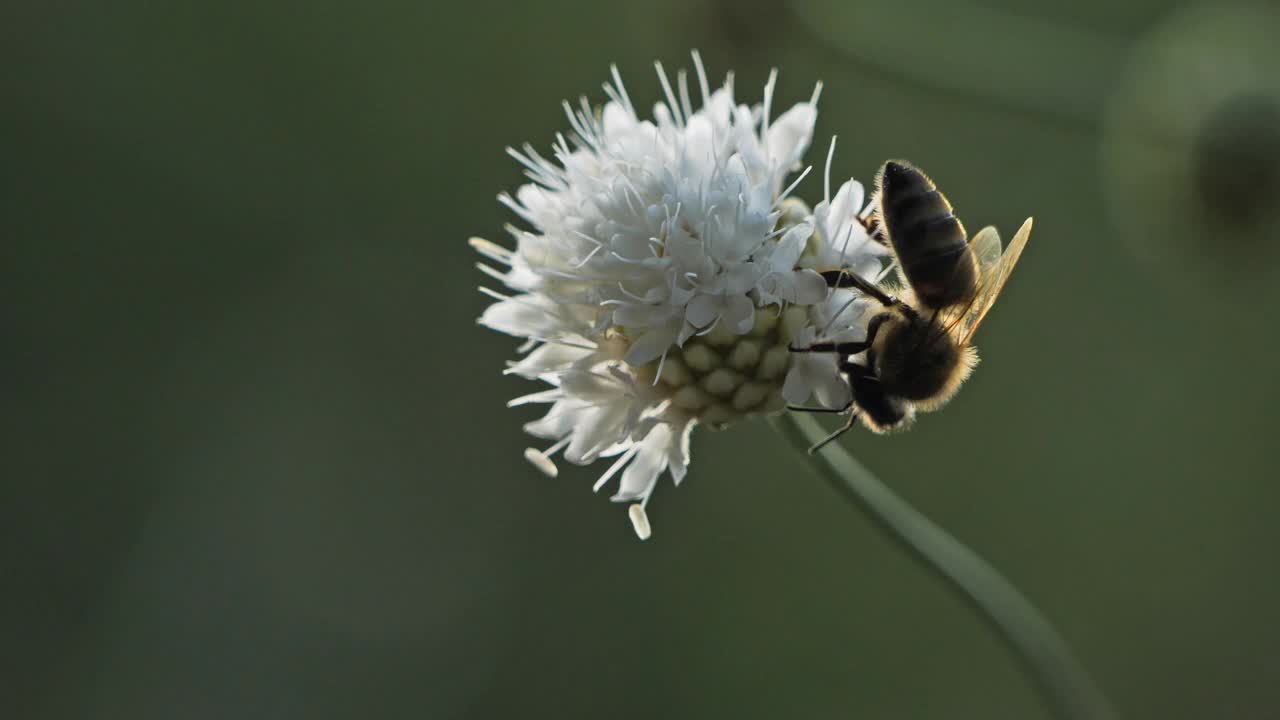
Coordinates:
(1045, 656)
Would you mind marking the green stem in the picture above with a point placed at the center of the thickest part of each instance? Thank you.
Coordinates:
(1067, 688)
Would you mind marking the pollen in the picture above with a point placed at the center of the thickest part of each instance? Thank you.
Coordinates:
(541, 461)
(639, 521)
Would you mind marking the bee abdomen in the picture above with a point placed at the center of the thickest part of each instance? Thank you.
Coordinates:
(929, 240)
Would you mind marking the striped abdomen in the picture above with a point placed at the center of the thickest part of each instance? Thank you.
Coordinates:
(928, 240)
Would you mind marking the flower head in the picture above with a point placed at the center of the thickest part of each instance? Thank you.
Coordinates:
(663, 274)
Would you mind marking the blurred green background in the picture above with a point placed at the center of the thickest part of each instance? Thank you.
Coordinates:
(256, 462)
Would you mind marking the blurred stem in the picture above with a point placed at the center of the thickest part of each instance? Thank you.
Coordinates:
(1067, 688)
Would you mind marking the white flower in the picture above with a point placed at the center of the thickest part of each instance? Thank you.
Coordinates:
(665, 274)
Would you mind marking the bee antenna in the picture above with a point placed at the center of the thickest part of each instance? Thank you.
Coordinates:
(853, 416)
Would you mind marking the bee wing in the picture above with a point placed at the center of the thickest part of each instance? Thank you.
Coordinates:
(994, 268)
(986, 247)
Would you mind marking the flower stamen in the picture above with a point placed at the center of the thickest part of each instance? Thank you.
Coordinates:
(615, 467)
(541, 459)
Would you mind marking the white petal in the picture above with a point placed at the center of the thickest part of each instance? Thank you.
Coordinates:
(642, 473)
(805, 337)
(616, 119)
(548, 358)
(816, 376)
(809, 286)
(720, 107)
(678, 452)
(790, 247)
(857, 194)
(524, 315)
(748, 144)
(843, 207)
(597, 432)
(699, 151)
(653, 343)
(680, 295)
(704, 309)
(777, 285)
(740, 314)
(687, 251)
(639, 315)
(557, 423)
(535, 200)
(686, 331)
(832, 391)
(868, 267)
(741, 277)
(591, 386)
(796, 389)
(768, 298)
(790, 134)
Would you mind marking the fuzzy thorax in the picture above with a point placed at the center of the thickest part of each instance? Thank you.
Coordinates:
(920, 362)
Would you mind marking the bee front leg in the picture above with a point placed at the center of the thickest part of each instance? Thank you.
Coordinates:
(842, 278)
(849, 348)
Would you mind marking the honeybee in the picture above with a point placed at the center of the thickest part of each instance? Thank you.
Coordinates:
(916, 353)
